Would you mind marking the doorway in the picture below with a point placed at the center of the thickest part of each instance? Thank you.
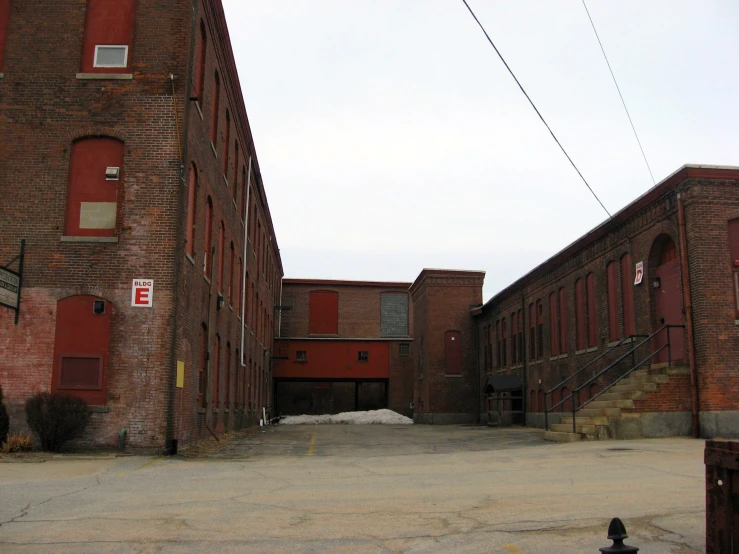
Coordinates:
(668, 300)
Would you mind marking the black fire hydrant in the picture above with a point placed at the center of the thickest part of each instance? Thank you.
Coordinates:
(617, 533)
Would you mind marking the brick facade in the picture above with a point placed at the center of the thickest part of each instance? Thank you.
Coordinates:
(47, 105)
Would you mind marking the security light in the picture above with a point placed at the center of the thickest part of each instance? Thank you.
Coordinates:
(112, 173)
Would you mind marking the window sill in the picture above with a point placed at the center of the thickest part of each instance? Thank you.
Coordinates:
(578, 352)
(213, 147)
(105, 76)
(190, 258)
(206, 279)
(90, 239)
(592, 349)
(535, 362)
(452, 376)
(200, 112)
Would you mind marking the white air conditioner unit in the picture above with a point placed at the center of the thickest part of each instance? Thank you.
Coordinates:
(112, 173)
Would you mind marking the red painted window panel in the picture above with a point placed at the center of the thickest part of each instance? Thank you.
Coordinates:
(226, 145)
(532, 331)
(4, 19)
(504, 349)
(562, 322)
(200, 63)
(499, 349)
(553, 324)
(580, 314)
(231, 268)
(221, 246)
(89, 186)
(613, 327)
(520, 348)
(235, 189)
(514, 338)
(668, 253)
(243, 192)
(192, 197)
(215, 109)
(324, 312)
(239, 283)
(81, 346)
(216, 372)
(108, 22)
(591, 311)
(208, 255)
(539, 329)
(453, 352)
(627, 294)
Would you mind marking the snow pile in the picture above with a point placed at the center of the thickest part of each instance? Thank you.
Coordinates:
(379, 417)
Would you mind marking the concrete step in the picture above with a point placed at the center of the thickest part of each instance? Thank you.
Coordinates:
(598, 412)
(560, 437)
(598, 420)
(625, 386)
(583, 429)
(597, 404)
(629, 395)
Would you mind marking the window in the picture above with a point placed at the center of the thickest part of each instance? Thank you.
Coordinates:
(92, 199)
(203, 364)
(235, 189)
(109, 29)
(504, 327)
(562, 322)
(226, 145)
(499, 349)
(394, 314)
(627, 295)
(221, 245)
(300, 356)
(539, 329)
(580, 314)
(81, 348)
(231, 274)
(553, 325)
(592, 322)
(215, 108)
(453, 352)
(611, 279)
(243, 192)
(734, 253)
(363, 356)
(208, 255)
(324, 312)
(239, 291)
(404, 349)
(200, 63)
(192, 196)
(532, 331)
(4, 17)
(216, 371)
(520, 349)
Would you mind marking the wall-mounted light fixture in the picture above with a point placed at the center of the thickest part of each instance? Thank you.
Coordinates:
(656, 283)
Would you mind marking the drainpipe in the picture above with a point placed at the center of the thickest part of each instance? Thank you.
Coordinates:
(688, 303)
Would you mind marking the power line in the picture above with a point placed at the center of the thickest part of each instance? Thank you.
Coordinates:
(619, 92)
(534, 106)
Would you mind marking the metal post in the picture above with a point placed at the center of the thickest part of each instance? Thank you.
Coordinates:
(617, 534)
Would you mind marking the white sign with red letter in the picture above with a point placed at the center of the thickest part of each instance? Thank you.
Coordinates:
(142, 293)
(639, 273)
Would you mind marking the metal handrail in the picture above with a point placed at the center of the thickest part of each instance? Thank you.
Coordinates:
(576, 391)
(586, 366)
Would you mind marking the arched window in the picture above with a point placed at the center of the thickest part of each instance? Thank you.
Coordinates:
(539, 329)
(231, 268)
(239, 283)
(590, 313)
(200, 63)
(612, 281)
(532, 332)
(553, 325)
(192, 198)
(81, 346)
(226, 145)
(243, 192)
(208, 255)
(580, 314)
(95, 179)
(514, 339)
(109, 30)
(504, 349)
(235, 189)
(627, 295)
(221, 252)
(215, 109)
(562, 321)
(4, 18)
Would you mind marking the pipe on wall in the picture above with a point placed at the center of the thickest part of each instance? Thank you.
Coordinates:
(688, 303)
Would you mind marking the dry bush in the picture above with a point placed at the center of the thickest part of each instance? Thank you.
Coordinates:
(17, 442)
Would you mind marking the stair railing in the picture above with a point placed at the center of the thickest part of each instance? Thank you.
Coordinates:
(575, 393)
(630, 338)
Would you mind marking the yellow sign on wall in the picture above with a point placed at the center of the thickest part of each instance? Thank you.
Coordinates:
(180, 374)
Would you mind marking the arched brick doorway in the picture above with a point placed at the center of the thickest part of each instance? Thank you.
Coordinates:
(668, 304)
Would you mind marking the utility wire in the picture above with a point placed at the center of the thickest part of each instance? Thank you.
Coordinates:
(535, 108)
(619, 92)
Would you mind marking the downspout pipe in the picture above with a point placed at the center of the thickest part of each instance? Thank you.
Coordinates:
(688, 303)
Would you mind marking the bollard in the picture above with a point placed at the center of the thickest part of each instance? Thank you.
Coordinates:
(617, 533)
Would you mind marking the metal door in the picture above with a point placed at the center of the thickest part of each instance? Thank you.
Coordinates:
(670, 310)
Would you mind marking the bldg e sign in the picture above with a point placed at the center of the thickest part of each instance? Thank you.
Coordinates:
(142, 293)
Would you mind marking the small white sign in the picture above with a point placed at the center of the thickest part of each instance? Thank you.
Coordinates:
(639, 273)
(9, 288)
(142, 293)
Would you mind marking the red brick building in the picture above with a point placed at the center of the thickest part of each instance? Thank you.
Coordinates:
(127, 154)
(344, 346)
(584, 310)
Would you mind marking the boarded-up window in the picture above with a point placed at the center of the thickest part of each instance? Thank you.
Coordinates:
(324, 312)
(590, 311)
(207, 254)
(613, 327)
(504, 349)
(553, 325)
(627, 294)
(192, 198)
(562, 322)
(215, 107)
(499, 349)
(394, 314)
(81, 373)
(4, 17)
(539, 329)
(514, 339)
(95, 178)
(200, 63)
(580, 314)
(532, 332)
(109, 30)
(453, 352)
(226, 144)
(734, 250)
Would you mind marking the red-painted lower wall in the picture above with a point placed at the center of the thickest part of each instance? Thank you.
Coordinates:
(335, 360)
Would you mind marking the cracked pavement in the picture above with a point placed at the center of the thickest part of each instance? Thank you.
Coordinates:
(364, 489)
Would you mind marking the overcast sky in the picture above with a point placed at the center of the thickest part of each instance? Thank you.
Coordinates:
(391, 137)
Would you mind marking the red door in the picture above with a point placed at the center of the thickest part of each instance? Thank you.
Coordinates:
(670, 311)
